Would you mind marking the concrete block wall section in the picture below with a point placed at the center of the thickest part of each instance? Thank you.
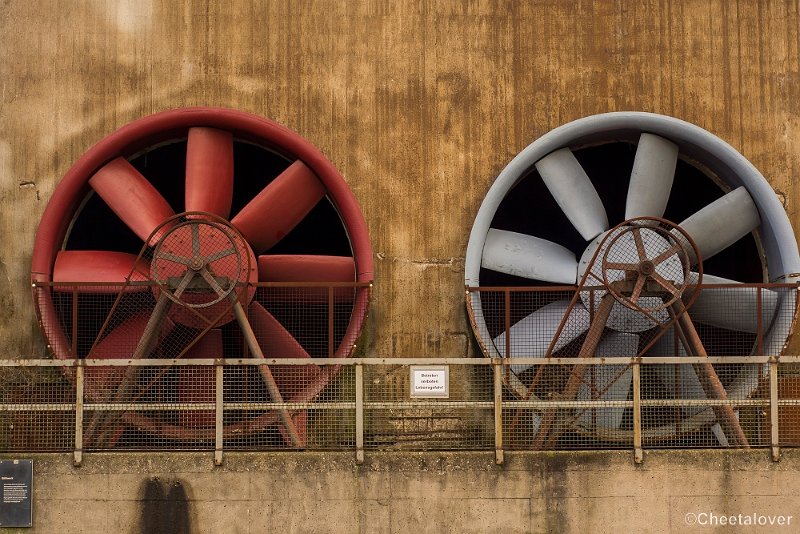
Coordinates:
(415, 492)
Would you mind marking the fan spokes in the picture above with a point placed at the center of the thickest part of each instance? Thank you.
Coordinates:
(306, 268)
(102, 271)
(276, 342)
(608, 382)
(545, 323)
(680, 378)
(723, 222)
(732, 308)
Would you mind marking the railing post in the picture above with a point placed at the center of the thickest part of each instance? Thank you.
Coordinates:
(77, 455)
(218, 411)
(507, 321)
(359, 413)
(759, 323)
(330, 322)
(498, 411)
(638, 456)
(773, 410)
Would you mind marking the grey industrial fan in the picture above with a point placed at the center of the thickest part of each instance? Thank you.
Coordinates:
(546, 219)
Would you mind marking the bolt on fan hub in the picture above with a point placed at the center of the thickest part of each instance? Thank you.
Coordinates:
(646, 268)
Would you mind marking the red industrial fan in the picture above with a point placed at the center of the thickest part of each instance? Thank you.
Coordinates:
(179, 236)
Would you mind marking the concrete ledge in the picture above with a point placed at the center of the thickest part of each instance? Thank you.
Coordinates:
(414, 492)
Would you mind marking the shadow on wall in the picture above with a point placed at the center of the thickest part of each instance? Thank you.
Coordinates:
(164, 507)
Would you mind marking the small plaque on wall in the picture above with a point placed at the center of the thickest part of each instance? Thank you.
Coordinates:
(16, 479)
(430, 381)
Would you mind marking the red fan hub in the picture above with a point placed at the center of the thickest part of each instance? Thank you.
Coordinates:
(201, 264)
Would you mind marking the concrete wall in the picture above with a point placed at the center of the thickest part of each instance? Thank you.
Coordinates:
(603, 492)
(419, 104)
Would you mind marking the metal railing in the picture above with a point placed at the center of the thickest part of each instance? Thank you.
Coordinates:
(644, 387)
(52, 405)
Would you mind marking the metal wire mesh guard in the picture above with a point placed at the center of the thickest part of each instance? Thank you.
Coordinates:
(640, 296)
(195, 295)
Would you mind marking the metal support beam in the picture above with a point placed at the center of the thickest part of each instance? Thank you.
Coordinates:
(547, 435)
(269, 380)
(712, 386)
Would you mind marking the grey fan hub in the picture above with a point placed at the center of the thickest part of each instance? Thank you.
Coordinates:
(624, 251)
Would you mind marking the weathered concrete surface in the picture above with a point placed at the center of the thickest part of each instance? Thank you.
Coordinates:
(419, 103)
(412, 492)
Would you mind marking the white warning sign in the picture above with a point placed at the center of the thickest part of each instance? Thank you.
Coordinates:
(430, 381)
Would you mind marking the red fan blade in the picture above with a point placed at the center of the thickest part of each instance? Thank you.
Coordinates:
(274, 339)
(209, 171)
(99, 266)
(196, 384)
(279, 207)
(304, 268)
(209, 346)
(131, 197)
(277, 342)
(120, 343)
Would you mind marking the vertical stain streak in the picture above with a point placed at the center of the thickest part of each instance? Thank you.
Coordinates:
(740, 78)
(762, 61)
(164, 507)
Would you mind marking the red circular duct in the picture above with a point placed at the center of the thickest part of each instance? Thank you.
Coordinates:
(120, 176)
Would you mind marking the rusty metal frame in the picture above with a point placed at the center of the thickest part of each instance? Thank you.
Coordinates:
(523, 393)
(638, 455)
(102, 416)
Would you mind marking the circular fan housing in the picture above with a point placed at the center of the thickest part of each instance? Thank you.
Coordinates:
(245, 200)
(548, 212)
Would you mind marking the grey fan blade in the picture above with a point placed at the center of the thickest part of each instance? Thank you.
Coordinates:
(528, 257)
(722, 223)
(679, 380)
(608, 382)
(574, 192)
(651, 177)
(531, 336)
(732, 308)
